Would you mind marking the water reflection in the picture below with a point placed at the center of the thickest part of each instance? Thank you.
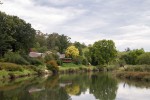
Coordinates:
(70, 87)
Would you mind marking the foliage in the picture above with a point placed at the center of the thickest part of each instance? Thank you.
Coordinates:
(87, 55)
(131, 57)
(40, 39)
(144, 58)
(78, 60)
(79, 46)
(15, 34)
(59, 62)
(10, 67)
(15, 58)
(33, 61)
(58, 42)
(103, 52)
(140, 68)
(85, 61)
(51, 56)
(52, 65)
(72, 52)
(144, 76)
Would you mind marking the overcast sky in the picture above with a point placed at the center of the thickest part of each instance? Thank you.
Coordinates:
(127, 22)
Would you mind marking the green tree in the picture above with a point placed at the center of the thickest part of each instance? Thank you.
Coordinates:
(72, 52)
(15, 34)
(131, 57)
(64, 42)
(40, 38)
(79, 46)
(103, 52)
(144, 58)
(58, 42)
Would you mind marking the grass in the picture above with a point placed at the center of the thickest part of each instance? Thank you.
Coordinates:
(142, 76)
(71, 67)
(11, 71)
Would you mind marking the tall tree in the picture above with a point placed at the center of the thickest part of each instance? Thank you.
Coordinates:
(64, 42)
(103, 52)
(58, 42)
(15, 34)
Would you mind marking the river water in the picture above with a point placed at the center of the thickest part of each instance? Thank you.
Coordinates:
(100, 86)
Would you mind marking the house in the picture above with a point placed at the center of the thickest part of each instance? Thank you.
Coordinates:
(62, 57)
(35, 54)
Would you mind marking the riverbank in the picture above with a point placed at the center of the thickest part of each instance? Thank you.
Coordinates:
(133, 72)
(12, 71)
(73, 68)
(139, 76)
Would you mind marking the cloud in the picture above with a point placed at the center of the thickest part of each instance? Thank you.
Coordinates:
(124, 21)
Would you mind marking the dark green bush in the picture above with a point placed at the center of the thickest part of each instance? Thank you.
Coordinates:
(15, 58)
(59, 62)
(52, 65)
(33, 61)
(78, 60)
(144, 58)
(85, 61)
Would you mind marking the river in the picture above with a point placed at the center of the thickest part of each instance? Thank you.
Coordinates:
(87, 86)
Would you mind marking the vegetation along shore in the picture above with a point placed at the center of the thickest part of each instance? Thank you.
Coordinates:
(25, 51)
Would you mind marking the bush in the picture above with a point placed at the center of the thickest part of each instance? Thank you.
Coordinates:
(144, 58)
(51, 56)
(10, 67)
(78, 60)
(85, 61)
(33, 61)
(59, 62)
(15, 58)
(140, 68)
(52, 65)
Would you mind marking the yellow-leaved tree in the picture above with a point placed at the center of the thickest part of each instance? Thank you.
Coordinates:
(72, 52)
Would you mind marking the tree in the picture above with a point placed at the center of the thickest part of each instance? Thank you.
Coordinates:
(103, 52)
(58, 42)
(79, 46)
(72, 52)
(64, 42)
(40, 38)
(52, 41)
(15, 34)
(132, 56)
(144, 58)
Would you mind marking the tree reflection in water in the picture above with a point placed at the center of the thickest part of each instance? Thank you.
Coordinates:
(63, 87)
(103, 87)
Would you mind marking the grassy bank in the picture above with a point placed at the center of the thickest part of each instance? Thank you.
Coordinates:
(73, 68)
(134, 72)
(11, 71)
(141, 76)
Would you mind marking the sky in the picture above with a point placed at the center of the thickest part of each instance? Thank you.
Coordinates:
(126, 22)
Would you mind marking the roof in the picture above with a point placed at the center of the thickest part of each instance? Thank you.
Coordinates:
(35, 54)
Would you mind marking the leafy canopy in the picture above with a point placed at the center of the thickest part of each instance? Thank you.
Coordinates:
(103, 52)
(72, 52)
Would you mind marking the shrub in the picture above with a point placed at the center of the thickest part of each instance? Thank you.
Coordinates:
(85, 61)
(144, 58)
(33, 61)
(51, 56)
(10, 67)
(15, 58)
(78, 60)
(59, 62)
(52, 65)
